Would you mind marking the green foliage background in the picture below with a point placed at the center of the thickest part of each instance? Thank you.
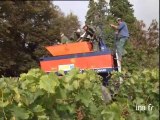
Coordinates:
(26, 27)
(38, 95)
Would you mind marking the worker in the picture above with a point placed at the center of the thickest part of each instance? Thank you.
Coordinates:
(89, 32)
(122, 36)
(64, 39)
(90, 35)
(77, 34)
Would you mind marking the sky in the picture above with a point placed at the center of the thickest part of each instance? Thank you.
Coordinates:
(145, 10)
(79, 8)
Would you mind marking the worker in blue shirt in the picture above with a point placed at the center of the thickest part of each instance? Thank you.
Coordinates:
(122, 36)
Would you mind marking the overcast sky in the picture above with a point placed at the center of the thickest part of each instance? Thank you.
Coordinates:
(145, 10)
(79, 8)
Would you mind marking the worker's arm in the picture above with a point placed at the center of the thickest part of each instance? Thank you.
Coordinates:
(82, 37)
(121, 26)
(114, 26)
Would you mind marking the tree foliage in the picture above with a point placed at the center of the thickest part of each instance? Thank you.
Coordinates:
(71, 26)
(143, 48)
(122, 9)
(97, 12)
(25, 28)
(91, 12)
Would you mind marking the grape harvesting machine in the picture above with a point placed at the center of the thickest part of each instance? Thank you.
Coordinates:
(80, 55)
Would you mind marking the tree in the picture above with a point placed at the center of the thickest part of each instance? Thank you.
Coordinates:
(91, 12)
(69, 24)
(96, 16)
(97, 12)
(25, 28)
(143, 50)
(122, 9)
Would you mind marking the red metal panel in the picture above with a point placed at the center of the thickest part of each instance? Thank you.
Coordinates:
(70, 48)
(101, 61)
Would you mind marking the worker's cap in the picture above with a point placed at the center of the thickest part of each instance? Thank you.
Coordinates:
(118, 19)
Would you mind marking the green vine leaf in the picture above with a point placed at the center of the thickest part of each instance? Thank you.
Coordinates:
(20, 113)
(48, 84)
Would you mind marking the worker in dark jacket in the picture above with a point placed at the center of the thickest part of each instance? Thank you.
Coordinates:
(90, 35)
